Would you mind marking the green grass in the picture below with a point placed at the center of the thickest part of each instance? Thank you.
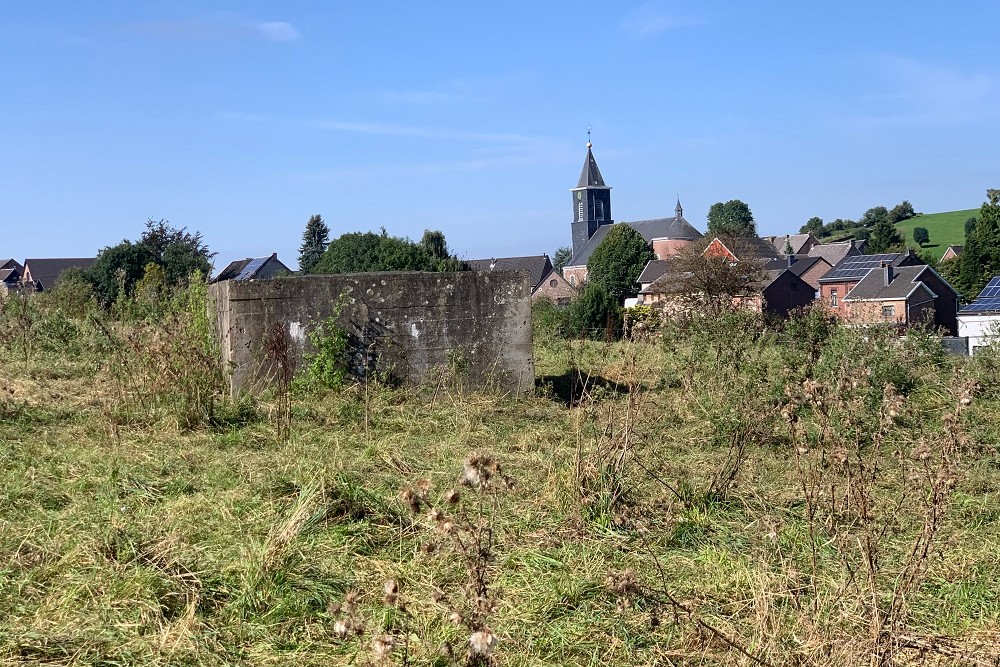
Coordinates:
(146, 544)
(945, 229)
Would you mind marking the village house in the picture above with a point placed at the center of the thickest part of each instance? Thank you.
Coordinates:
(810, 269)
(777, 290)
(904, 295)
(543, 280)
(835, 252)
(44, 273)
(980, 320)
(10, 277)
(849, 271)
(254, 268)
(952, 252)
(792, 244)
(591, 200)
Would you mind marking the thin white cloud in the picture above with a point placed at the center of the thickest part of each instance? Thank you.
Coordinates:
(278, 31)
(389, 129)
(652, 18)
(219, 27)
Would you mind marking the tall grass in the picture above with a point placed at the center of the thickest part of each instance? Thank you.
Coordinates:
(720, 492)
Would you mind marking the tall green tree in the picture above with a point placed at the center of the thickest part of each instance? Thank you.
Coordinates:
(315, 239)
(434, 243)
(561, 258)
(901, 211)
(921, 236)
(178, 252)
(733, 218)
(882, 234)
(814, 226)
(617, 262)
(981, 255)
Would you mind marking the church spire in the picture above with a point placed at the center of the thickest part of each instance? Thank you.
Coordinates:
(679, 210)
(590, 176)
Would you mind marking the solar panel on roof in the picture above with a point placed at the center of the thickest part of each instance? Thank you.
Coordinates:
(252, 268)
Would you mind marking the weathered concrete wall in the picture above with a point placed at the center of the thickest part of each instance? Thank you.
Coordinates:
(413, 326)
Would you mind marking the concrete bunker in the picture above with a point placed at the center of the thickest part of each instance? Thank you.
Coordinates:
(407, 326)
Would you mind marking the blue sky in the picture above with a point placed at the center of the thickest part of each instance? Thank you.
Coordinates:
(241, 119)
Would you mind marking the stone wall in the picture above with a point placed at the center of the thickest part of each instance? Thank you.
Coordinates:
(413, 327)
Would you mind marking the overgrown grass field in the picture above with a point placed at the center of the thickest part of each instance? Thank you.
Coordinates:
(716, 493)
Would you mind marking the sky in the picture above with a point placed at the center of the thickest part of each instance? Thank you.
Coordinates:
(240, 119)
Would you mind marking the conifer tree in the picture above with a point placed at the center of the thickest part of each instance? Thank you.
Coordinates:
(315, 239)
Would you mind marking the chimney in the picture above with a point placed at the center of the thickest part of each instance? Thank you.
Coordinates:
(853, 244)
(886, 273)
(791, 260)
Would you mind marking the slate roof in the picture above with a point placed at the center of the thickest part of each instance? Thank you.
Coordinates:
(11, 264)
(797, 241)
(45, 272)
(855, 267)
(834, 252)
(657, 228)
(536, 266)
(253, 268)
(10, 276)
(590, 175)
(802, 263)
(654, 270)
(905, 281)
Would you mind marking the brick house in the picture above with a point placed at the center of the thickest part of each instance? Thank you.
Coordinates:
(904, 295)
(254, 268)
(849, 271)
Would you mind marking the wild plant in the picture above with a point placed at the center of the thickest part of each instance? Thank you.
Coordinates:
(863, 484)
(461, 524)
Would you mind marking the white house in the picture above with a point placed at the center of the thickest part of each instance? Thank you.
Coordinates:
(980, 320)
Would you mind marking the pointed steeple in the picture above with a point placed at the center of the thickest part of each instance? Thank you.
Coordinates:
(590, 176)
(679, 210)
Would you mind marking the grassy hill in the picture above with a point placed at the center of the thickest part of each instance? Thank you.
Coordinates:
(716, 495)
(945, 229)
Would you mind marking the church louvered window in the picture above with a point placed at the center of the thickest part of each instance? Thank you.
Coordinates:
(582, 217)
(600, 210)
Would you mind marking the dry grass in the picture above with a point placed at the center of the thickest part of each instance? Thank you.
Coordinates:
(631, 534)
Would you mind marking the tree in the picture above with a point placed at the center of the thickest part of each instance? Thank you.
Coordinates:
(814, 226)
(561, 258)
(435, 245)
(901, 211)
(882, 235)
(874, 216)
(315, 239)
(981, 255)
(731, 219)
(177, 252)
(970, 224)
(921, 236)
(595, 313)
(617, 262)
(709, 281)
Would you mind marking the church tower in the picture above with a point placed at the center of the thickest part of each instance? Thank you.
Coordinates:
(591, 202)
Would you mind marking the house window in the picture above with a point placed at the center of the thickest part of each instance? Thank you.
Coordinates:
(580, 207)
(795, 287)
(572, 280)
(888, 312)
(833, 298)
(553, 283)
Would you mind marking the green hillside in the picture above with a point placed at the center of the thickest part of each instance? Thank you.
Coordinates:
(945, 229)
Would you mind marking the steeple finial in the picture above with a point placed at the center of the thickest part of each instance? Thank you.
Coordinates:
(589, 144)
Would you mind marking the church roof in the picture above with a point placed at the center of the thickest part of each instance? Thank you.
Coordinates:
(536, 266)
(657, 228)
(590, 176)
